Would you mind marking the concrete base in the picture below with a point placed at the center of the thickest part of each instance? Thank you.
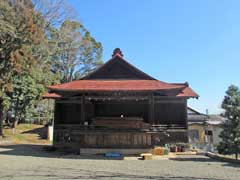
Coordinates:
(94, 151)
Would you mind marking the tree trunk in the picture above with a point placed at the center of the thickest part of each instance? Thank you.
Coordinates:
(1, 126)
(14, 124)
(1, 117)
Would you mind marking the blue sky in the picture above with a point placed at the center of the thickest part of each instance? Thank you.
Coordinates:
(173, 40)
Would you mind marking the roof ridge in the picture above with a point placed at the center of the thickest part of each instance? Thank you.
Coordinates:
(185, 84)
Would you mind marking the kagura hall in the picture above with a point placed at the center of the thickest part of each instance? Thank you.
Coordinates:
(119, 106)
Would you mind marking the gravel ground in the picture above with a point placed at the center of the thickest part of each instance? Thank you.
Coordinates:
(30, 162)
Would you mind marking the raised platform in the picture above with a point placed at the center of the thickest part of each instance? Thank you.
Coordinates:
(76, 137)
(94, 151)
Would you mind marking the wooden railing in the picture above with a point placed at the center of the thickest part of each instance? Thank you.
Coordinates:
(159, 127)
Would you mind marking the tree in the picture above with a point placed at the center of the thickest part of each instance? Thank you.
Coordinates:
(25, 90)
(19, 32)
(40, 45)
(54, 12)
(75, 51)
(90, 55)
(230, 134)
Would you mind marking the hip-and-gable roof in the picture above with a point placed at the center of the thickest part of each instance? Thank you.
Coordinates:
(119, 75)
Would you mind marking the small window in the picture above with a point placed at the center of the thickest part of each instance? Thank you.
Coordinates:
(209, 133)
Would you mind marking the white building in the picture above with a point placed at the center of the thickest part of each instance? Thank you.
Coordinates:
(214, 128)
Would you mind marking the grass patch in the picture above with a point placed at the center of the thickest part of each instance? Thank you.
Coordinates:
(27, 133)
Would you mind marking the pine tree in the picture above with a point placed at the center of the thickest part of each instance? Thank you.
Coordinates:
(230, 134)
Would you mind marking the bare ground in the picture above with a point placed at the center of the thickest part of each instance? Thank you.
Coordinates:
(31, 162)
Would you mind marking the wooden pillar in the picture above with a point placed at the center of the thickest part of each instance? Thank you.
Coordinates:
(153, 110)
(186, 120)
(151, 113)
(82, 109)
(186, 114)
(56, 116)
(56, 121)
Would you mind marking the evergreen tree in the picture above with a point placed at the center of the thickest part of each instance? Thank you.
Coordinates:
(38, 48)
(19, 33)
(230, 134)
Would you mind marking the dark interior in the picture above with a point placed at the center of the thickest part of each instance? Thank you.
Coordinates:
(165, 113)
(126, 109)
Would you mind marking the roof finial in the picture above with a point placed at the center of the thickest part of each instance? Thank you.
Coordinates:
(117, 51)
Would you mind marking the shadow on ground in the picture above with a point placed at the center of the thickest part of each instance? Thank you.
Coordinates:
(43, 151)
(40, 151)
(192, 158)
(204, 159)
(25, 150)
(41, 132)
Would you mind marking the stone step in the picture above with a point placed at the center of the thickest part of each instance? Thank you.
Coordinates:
(94, 151)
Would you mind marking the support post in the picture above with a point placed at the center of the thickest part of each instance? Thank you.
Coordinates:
(82, 109)
(186, 120)
(55, 121)
(186, 114)
(56, 111)
(151, 109)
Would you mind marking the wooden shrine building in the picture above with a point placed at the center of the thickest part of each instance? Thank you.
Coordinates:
(119, 106)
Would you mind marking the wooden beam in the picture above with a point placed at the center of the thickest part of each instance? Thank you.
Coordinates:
(69, 101)
(120, 98)
(168, 102)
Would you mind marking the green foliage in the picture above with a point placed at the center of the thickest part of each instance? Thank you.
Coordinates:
(19, 32)
(230, 135)
(76, 51)
(90, 55)
(35, 53)
(24, 91)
